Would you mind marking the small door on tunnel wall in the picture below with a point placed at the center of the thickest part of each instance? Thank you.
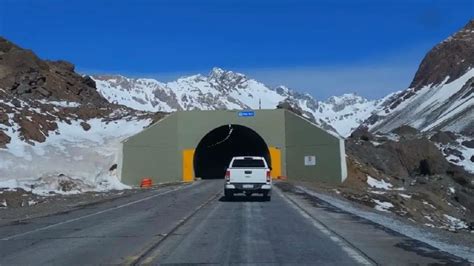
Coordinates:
(275, 155)
(188, 168)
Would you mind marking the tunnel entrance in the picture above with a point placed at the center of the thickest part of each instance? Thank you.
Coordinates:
(215, 150)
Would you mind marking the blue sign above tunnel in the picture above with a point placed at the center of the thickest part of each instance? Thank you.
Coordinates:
(246, 113)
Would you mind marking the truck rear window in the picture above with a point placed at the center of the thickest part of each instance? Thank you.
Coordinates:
(248, 163)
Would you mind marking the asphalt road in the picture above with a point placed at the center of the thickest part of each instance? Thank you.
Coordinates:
(185, 224)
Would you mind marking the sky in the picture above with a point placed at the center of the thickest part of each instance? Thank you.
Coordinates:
(324, 48)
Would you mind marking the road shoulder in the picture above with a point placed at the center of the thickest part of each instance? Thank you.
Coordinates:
(45, 206)
(381, 244)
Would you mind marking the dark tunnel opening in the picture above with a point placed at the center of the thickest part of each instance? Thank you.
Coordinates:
(215, 151)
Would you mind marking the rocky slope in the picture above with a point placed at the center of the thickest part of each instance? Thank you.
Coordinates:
(415, 156)
(53, 122)
(25, 76)
(412, 174)
(223, 89)
(441, 95)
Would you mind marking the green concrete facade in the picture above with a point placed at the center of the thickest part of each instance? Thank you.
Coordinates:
(156, 152)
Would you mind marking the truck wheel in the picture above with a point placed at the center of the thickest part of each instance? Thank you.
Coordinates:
(228, 194)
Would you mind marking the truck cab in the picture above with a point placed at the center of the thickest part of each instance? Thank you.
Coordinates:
(249, 175)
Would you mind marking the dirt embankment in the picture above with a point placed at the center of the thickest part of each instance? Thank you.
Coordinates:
(407, 174)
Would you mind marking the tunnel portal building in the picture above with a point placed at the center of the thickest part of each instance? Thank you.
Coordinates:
(190, 144)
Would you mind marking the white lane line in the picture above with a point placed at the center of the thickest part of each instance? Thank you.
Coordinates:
(92, 214)
(353, 253)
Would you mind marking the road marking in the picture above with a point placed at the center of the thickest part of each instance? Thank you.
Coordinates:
(352, 252)
(92, 214)
(150, 254)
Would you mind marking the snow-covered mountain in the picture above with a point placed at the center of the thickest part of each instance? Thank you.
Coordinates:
(223, 89)
(441, 96)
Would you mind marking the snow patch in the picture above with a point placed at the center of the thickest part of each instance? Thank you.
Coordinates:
(381, 184)
(405, 196)
(455, 223)
(61, 103)
(382, 205)
(61, 184)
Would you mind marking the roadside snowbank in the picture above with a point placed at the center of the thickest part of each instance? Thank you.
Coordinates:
(83, 156)
(61, 184)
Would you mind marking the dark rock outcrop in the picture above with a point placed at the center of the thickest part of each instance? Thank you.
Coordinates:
(85, 126)
(405, 131)
(468, 143)
(409, 157)
(444, 137)
(451, 58)
(26, 76)
(362, 133)
(290, 107)
(4, 139)
(454, 152)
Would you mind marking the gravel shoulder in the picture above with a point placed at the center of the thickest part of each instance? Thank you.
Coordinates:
(459, 243)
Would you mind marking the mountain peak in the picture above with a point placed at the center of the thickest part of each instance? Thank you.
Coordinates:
(346, 99)
(221, 74)
(448, 60)
(226, 80)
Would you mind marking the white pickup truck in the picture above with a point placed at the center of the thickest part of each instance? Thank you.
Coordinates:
(248, 174)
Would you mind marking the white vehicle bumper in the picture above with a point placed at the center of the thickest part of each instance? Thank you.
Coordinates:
(262, 187)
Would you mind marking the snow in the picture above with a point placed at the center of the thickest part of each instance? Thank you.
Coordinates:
(61, 184)
(406, 196)
(375, 143)
(432, 106)
(346, 112)
(73, 135)
(139, 94)
(392, 137)
(61, 103)
(381, 184)
(3, 204)
(466, 152)
(223, 89)
(69, 151)
(428, 204)
(377, 192)
(382, 205)
(455, 223)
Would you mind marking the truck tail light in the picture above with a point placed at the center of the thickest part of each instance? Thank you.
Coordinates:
(227, 175)
(268, 176)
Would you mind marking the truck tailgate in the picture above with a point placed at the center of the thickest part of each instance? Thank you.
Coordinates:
(249, 175)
